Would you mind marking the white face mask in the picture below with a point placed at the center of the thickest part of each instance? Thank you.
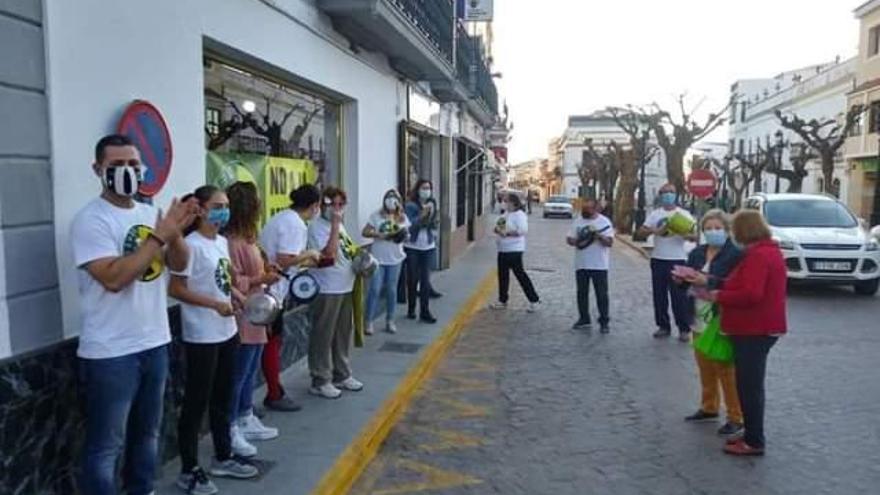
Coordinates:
(425, 194)
(392, 204)
(123, 180)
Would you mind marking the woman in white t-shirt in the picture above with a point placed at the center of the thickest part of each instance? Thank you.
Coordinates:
(388, 228)
(210, 340)
(511, 229)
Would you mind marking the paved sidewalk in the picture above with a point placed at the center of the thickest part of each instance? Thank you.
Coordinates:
(313, 439)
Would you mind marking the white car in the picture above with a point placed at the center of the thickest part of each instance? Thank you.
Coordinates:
(558, 206)
(822, 241)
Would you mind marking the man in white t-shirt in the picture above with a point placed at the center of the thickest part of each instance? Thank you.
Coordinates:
(592, 236)
(123, 250)
(668, 252)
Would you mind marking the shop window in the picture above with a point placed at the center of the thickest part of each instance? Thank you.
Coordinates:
(249, 115)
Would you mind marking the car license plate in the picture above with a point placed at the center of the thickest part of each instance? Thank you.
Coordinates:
(832, 266)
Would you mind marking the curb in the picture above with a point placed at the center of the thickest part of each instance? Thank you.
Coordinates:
(349, 466)
(635, 247)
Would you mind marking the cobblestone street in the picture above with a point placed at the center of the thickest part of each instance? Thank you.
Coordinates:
(524, 405)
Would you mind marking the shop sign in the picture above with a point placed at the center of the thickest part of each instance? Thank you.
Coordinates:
(146, 128)
(869, 165)
(274, 176)
(476, 10)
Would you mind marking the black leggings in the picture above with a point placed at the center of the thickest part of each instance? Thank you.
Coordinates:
(418, 279)
(514, 261)
(209, 371)
(750, 357)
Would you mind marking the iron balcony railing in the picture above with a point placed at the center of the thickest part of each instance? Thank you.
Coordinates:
(473, 69)
(434, 19)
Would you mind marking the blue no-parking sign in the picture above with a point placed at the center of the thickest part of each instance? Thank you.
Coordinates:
(144, 125)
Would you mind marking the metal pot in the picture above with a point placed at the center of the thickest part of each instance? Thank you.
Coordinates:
(364, 263)
(262, 308)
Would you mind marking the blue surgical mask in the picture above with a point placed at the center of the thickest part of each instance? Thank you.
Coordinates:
(218, 217)
(424, 194)
(667, 199)
(715, 237)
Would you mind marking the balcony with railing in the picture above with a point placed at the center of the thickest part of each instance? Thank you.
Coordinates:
(472, 70)
(416, 35)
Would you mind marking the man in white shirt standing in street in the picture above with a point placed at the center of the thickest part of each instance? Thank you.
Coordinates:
(121, 248)
(592, 236)
(668, 252)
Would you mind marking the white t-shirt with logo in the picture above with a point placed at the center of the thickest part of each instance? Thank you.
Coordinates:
(134, 319)
(515, 221)
(285, 233)
(596, 256)
(389, 252)
(671, 247)
(339, 278)
(209, 273)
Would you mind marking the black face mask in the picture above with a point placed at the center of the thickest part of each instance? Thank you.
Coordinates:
(123, 180)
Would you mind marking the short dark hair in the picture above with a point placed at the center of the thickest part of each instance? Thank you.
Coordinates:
(107, 141)
(304, 196)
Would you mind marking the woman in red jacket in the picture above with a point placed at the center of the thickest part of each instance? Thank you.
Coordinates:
(752, 303)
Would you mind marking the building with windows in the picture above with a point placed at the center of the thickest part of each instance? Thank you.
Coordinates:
(862, 147)
(366, 95)
(602, 130)
(815, 92)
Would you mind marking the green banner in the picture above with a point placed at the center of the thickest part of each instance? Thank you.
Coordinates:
(274, 177)
(868, 164)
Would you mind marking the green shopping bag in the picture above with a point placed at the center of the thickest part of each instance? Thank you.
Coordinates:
(712, 343)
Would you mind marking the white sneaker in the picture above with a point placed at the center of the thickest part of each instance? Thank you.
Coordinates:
(240, 446)
(390, 327)
(253, 429)
(232, 468)
(326, 391)
(533, 306)
(498, 305)
(369, 330)
(350, 384)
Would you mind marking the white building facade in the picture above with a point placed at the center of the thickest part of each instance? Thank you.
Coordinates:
(816, 92)
(602, 130)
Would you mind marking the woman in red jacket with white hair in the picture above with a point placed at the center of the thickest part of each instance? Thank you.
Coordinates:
(752, 303)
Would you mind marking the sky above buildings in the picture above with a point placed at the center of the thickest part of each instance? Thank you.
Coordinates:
(563, 57)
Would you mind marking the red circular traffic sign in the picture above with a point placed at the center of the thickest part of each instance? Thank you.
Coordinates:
(146, 128)
(702, 183)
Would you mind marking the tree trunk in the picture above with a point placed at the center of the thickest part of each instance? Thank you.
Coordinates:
(795, 183)
(675, 169)
(625, 203)
(828, 173)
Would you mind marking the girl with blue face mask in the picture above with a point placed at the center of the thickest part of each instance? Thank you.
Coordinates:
(712, 262)
(209, 299)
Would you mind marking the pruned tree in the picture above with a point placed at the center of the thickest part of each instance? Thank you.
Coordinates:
(798, 173)
(641, 153)
(271, 129)
(606, 168)
(825, 137)
(676, 135)
(229, 128)
(300, 130)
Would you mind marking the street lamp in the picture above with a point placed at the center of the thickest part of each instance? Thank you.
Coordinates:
(779, 145)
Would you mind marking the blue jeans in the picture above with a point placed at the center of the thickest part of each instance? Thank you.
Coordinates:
(124, 399)
(418, 279)
(247, 362)
(385, 276)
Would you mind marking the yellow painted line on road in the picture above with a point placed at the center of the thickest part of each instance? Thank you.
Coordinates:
(339, 479)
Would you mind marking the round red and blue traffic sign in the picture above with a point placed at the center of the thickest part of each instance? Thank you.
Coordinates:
(146, 128)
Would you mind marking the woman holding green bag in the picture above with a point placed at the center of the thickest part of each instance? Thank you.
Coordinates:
(711, 262)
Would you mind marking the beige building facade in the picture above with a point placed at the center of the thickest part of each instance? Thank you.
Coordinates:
(862, 147)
